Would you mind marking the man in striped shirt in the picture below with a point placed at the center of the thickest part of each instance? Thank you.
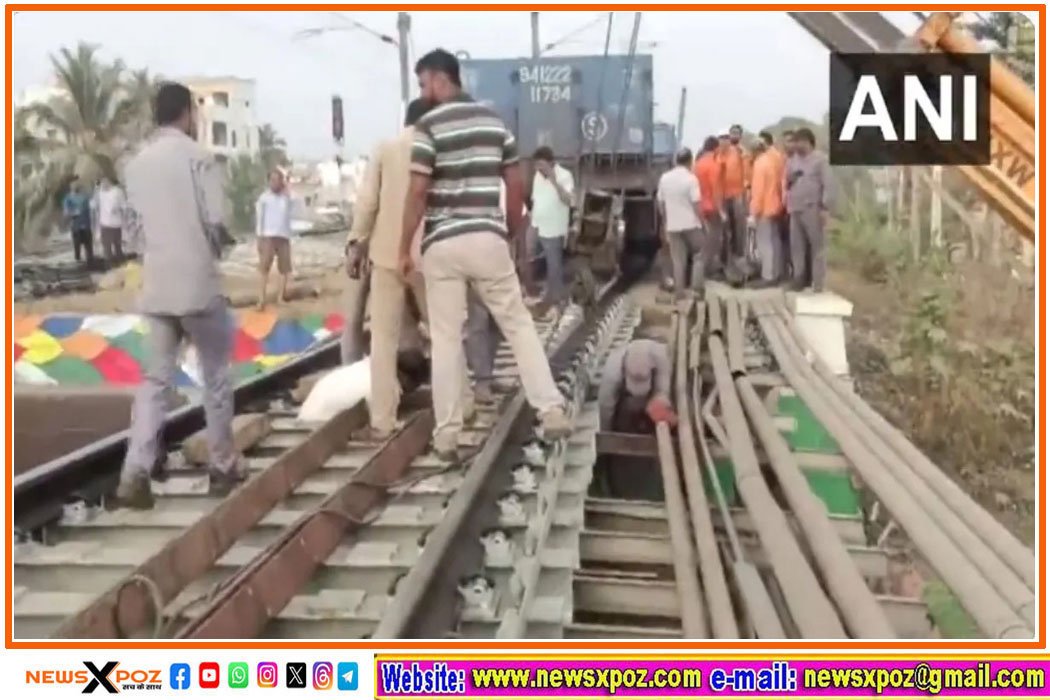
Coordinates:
(462, 150)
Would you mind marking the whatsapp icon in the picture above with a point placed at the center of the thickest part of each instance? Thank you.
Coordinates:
(238, 674)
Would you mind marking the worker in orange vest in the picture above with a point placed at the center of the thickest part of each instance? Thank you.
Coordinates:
(735, 166)
(708, 172)
(766, 207)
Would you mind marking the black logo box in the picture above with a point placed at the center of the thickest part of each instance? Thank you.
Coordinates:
(868, 145)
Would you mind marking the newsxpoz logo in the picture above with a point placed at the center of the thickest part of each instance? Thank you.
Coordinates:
(108, 677)
(909, 109)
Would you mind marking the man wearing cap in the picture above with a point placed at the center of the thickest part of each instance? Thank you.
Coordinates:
(678, 195)
(633, 397)
(636, 388)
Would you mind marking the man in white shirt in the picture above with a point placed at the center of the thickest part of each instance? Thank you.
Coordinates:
(111, 221)
(678, 195)
(552, 190)
(273, 228)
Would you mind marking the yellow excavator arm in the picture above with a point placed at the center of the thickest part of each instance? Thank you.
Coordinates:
(1008, 183)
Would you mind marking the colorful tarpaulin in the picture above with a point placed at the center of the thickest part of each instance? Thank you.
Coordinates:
(71, 349)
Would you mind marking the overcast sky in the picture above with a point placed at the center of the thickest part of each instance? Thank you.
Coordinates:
(746, 67)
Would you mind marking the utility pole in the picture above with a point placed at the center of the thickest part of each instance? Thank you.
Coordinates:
(628, 74)
(535, 34)
(681, 120)
(404, 25)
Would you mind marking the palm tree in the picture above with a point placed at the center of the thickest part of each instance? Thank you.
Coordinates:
(140, 88)
(90, 118)
(272, 147)
(86, 131)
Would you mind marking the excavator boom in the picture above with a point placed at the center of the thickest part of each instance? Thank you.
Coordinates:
(1008, 182)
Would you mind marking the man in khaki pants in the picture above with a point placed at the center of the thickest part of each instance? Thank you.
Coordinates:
(462, 150)
(378, 213)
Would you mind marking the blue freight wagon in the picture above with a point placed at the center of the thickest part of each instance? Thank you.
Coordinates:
(570, 103)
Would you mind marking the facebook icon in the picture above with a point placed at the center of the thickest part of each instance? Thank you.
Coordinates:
(179, 676)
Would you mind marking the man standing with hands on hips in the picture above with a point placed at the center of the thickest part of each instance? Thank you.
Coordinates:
(461, 152)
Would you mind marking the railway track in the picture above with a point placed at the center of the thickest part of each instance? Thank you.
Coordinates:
(334, 539)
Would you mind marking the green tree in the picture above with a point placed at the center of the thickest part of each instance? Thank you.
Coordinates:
(85, 131)
(140, 88)
(1013, 35)
(272, 148)
(245, 179)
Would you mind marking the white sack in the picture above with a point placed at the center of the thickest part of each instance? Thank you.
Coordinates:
(337, 391)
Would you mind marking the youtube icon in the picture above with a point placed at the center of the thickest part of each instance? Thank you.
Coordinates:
(208, 675)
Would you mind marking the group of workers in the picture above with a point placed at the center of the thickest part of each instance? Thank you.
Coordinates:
(437, 229)
(98, 214)
(779, 194)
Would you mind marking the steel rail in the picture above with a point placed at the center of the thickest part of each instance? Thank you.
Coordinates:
(514, 622)
(690, 598)
(993, 568)
(719, 604)
(406, 604)
(862, 614)
(761, 613)
(1018, 557)
(263, 588)
(93, 470)
(811, 611)
(978, 596)
(131, 604)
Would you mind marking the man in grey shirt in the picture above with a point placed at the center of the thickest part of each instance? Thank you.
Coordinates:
(633, 396)
(175, 212)
(809, 190)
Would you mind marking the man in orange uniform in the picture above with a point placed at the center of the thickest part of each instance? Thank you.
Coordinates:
(735, 167)
(767, 203)
(709, 172)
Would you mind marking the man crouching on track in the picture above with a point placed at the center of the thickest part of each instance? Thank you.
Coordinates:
(632, 398)
(175, 200)
(461, 152)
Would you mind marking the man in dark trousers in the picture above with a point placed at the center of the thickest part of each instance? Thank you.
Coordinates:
(808, 188)
(77, 210)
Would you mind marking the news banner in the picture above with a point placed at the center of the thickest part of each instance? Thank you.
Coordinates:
(361, 674)
(589, 677)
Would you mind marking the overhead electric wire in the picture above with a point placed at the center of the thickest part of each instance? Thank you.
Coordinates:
(569, 35)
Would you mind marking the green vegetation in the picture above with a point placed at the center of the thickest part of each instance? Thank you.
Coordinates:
(101, 113)
(943, 346)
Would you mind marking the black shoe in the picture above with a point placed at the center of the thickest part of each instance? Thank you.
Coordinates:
(450, 457)
(134, 493)
(159, 471)
(796, 286)
(221, 483)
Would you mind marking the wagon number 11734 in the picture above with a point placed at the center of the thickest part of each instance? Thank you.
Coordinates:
(547, 83)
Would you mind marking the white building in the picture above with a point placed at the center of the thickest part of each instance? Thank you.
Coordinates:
(225, 114)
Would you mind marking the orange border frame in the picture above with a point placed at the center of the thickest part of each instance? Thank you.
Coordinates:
(944, 646)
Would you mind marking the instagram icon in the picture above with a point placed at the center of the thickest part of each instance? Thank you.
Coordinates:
(266, 674)
(322, 676)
